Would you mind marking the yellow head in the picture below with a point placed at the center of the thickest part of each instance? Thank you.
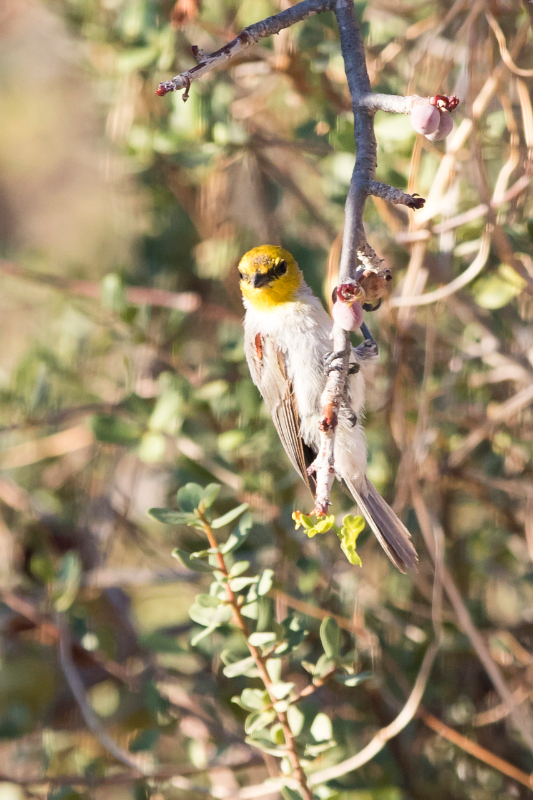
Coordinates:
(269, 277)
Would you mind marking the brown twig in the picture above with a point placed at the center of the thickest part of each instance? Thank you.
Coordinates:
(476, 212)
(504, 52)
(260, 662)
(136, 295)
(475, 749)
(78, 690)
(427, 526)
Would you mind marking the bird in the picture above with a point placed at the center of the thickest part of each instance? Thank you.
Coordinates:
(287, 342)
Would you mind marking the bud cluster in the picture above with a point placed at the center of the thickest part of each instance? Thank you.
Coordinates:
(433, 119)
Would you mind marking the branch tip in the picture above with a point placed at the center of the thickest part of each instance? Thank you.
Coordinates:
(416, 201)
(444, 102)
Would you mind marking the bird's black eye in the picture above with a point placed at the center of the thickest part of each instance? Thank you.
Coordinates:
(241, 275)
(280, 269)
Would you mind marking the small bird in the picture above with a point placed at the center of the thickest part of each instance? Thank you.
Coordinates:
(287, 336)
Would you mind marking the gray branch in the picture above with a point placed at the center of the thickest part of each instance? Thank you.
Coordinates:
(394, 195)
(249, 36)
(354, 237)
(358, 261)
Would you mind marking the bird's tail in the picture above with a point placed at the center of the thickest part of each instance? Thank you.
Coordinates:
(392, 534)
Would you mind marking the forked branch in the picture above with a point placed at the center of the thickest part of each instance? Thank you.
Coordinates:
(358, 260)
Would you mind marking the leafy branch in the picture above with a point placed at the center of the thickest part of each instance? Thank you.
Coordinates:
(274, 723)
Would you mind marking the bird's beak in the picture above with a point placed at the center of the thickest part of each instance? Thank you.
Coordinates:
(261, 279)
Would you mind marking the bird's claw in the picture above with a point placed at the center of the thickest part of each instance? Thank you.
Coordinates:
(330, 358)
(350, 415)
(367, 350)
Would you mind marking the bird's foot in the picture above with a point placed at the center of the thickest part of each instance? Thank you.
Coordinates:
(367, 350)
(350, 414)
(329, 360)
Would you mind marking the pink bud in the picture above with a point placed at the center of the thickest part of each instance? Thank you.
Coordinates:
(349, 317)
(444, 129)
(425, 118)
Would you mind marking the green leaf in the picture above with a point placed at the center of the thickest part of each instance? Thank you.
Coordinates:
(238, 584)
(211, 551)
(281, 689)
(276, 734)
(323, 666)
(313, 525)
(265, 582)
(290, 794)
(499, 288)
(265, 615)
(194, 564)
(238, 536)
(239, 667)
(296, 719)
(238, 568)
(314, 750)
(254, 699)
(350, 530)
(330, 637)
(65, 587)
(230, 516)
(144, 740)
(257, 639)
(321, 729)
(265, 744)
(114, 430)
(302, 519)
(159, 642)
(112, 292)
(190, 496)
(203, 634)
(353, 680)
(210, 614)
(259, 720)
(210, 494)
(169, 517)
(152, 447)
(250, 610)
(273, 666)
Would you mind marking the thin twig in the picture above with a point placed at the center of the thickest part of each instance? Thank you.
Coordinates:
(503, 413)
(476, 750)
(136, 295)
(248, 37)
(453, 286)
(378, 742)
(406, 237)
(427, 525)
(78, 690)
(504, 52)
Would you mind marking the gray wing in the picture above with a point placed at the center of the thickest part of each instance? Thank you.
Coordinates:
(269, 373)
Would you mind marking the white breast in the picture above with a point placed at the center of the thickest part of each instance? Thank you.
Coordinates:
(301, 330)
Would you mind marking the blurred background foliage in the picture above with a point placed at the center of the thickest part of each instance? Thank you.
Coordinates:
(122, 377)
